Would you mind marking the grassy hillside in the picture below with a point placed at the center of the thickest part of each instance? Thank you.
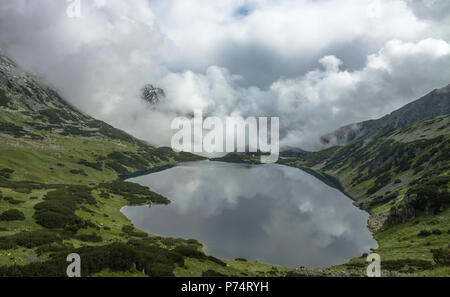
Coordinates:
(402, 178)
(61, 192)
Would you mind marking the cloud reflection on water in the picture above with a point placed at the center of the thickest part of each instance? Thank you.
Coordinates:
(270, 213)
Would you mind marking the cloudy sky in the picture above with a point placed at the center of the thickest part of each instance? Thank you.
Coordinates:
(317, 64)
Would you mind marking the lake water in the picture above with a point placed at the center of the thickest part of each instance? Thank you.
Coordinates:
(269, 213)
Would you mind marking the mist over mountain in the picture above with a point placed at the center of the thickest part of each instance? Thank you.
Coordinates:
(431, 105)
(87, 103)
(36, 110)
(317, 65)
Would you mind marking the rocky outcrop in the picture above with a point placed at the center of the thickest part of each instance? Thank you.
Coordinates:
(378, 222)
(152, 95)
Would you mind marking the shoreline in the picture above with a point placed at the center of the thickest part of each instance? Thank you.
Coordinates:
(327, 179)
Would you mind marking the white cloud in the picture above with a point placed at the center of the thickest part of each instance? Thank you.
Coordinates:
(289, 31)
(316, 64)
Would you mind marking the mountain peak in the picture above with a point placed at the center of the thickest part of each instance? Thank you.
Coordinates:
(41, 109)
(152, 95)
(434, 104)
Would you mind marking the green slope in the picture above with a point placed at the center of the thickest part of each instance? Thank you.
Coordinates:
(60, 193)
(402, 178)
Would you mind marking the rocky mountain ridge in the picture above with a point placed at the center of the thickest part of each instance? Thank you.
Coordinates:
(434, 104)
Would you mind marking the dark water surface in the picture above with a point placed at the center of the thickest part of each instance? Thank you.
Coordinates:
(269, 213)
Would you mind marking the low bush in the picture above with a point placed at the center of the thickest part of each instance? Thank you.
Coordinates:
(12, 215)
(6, 172)
(380, 183)
(194, 252)
(216, 260)
(191, 252)
(442, 256)
(78, 172)
(117, 167)
(89, 237)
(59, 206)
(97, 166)
(241, 259)
(4, 100)
(424, 233)
(153, 261)
(12, 201)
(131, 231)
(134, 193)
(397, 265)
(30, 239)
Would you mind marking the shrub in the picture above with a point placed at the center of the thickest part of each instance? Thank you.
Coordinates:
(171, 242)
(193, 252)
(397, 265)
(127, 229)
(190, 252)
(89, 237)
(117, 167)
(12, 215)
(104, 195)
(437, 232)
(216, 260)
(152, 260)
(424, 233)
(380, 183)
(193, 241)
(12, 200)
(442, 256)
(23, 190)
(6, 172)
(4, 101)
(6, 244)
(134, 193)
(159, 270)
(110, 131)
(128, 159)
(78, 172)
(132, 232)
(97, 166)
(17, 131)
(31, 239)
(59, 206)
